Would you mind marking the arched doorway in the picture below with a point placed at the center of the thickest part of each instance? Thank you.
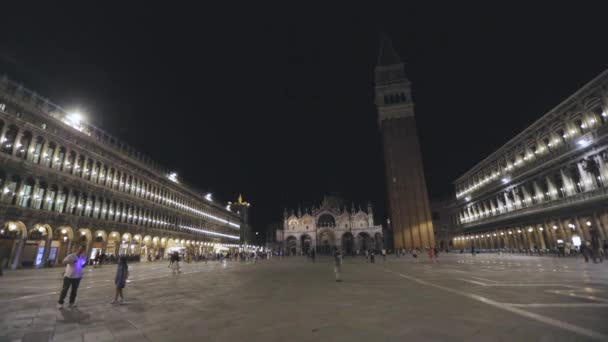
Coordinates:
(12, 239)
(291, 245)
(326, 242)
(379, 241)
(364, 241)
(326, 220)
(37, 246)
(348, 244)
(63, 238)
(306, 243)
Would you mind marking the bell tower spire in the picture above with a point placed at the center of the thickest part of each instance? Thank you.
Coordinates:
(406, 187)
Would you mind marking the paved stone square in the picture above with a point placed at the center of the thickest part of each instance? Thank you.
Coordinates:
(463, 297)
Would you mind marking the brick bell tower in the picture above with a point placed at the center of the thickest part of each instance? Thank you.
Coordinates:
(408, 199)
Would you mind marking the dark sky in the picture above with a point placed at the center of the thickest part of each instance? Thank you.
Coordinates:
(277, 103)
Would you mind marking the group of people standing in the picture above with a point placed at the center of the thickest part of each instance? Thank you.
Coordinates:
(432, 252)
(74, 265)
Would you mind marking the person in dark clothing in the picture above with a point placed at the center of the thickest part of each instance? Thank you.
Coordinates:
(122, 273)
(338, 265)
(312, 255)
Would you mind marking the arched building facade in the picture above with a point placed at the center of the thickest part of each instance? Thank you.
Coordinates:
(328, 226)
(63, 181)
(545, 188)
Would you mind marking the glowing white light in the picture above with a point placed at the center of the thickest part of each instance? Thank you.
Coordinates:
(173, 177)
(41, 229)
(505, 180)
(583, 142)
(530, 229)
(63, 231)
(210, 232)
(467, 198)
(588, 224)
(554, 227)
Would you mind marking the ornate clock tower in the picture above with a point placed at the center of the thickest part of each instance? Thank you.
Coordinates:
(408, 199)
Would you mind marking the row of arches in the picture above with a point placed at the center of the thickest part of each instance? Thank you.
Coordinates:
(548, 140)
(17, 93)
(583, 176)
(541, 235)
(36, 148)
(38, 194)
(327, 242)
(44, 245)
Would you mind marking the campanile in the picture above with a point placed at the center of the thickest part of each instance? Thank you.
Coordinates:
(408, 199)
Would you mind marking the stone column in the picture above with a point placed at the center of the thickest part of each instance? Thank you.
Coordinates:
(541, 238)
(568, 185)
(583, 228)
(18, 252)
(47, 249)
(602, 227)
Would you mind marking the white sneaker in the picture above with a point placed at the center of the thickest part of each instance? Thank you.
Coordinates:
(72, 306)
(114, 301)
(59, 306)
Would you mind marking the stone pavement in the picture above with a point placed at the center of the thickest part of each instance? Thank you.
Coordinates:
(480, 298)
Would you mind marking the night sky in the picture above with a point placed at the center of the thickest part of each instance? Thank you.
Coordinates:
(277, 103)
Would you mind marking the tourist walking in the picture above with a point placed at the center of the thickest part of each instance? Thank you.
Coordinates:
(74, 264)
(415, 254)
(338, 265)
(175, 263)
(585, 251)
(473, 250)
(383, 254)
(122, 273)
(431, 255)
(312, 255)
(97, 259)
(372, 257)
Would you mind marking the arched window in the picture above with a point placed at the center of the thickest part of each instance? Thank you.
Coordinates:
(49, 198)
(58, 160)
(78, 168)
(39, 196)
(25, 199)
(579, 126)
(88, 169)
(60, 201)
(23, 144)
(562, 135)
(110, 178)
(7, 143)
(48, 155)
(72, 203)
(36, 150)
(95, 172)
(103, 170)
(68, 165)
(326, 220)
(9, 191)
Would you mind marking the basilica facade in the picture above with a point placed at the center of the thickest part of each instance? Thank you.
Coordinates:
(328, 226)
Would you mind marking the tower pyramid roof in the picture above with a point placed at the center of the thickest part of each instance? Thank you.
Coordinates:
(387, 54)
